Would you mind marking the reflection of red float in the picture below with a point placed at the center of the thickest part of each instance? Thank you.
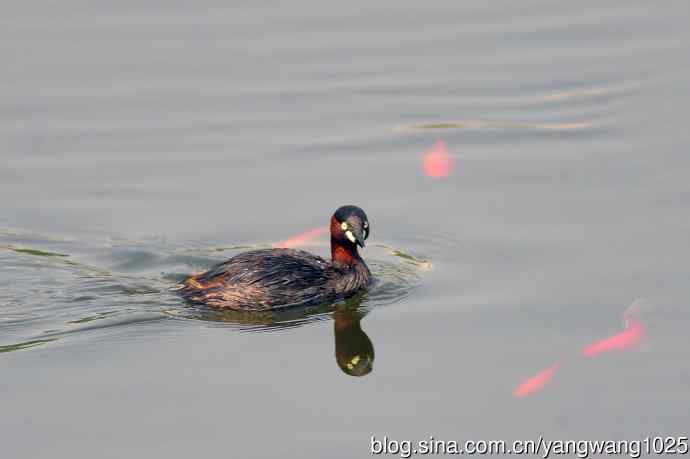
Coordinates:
(302, 238)
(536, 382)
(628, 338)
(625, 340)
(437, 163)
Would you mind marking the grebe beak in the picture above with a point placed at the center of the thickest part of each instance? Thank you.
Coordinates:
(359, 239)
(355, 236)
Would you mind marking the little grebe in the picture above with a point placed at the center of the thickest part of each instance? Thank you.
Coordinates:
(272, 278)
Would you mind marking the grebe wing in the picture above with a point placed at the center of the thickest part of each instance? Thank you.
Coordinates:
(270, 267)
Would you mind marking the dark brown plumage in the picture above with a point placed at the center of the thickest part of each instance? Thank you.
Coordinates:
(272, 278)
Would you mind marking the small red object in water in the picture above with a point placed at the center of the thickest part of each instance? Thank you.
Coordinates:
(634, 332)
(536, 382)
(301, 239)
(627, 339)
(437, 162)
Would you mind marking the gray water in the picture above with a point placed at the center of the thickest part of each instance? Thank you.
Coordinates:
(143, 143)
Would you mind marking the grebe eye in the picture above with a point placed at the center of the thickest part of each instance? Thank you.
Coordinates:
(343, 226)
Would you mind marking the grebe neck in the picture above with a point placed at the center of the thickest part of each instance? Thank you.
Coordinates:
(344, 253)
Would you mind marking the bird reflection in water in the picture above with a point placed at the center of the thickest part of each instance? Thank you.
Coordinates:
(354, 351)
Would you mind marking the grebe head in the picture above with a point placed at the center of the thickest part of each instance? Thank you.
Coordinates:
(350, 225)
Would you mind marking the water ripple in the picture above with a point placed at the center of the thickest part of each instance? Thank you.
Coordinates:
(55, 294)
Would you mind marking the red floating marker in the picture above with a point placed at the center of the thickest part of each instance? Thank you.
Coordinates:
(536, 382)
(437, 162)
(301, 239)
(627, 339)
